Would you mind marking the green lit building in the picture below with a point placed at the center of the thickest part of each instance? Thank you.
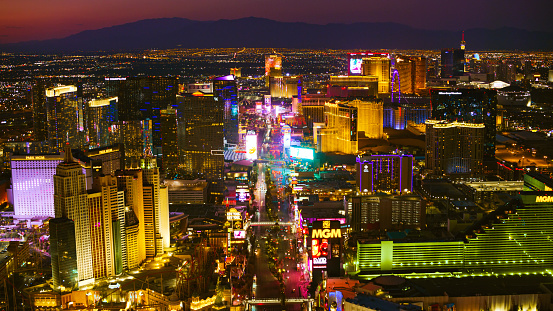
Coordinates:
(515, 239)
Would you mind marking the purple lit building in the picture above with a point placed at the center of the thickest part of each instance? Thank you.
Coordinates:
(386, 173)
(33, 185)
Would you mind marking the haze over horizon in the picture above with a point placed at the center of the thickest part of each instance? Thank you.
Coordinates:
(61, 18)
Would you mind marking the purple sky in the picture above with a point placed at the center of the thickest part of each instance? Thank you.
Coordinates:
(22, 20)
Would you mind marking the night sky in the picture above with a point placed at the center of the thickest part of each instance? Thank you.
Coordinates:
(22, 20)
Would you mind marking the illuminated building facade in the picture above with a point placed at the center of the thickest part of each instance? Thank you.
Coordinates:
(100, 237)
(347, 121)
(152, 235)
(107, 212)
(142, 98)
(347, 86)
(326, 249)
(65, 118)
(273, 67)
(101, 115)
(70, 200)
(63, 254)
(130, 182)
(471, 106)
(379, 212)
(131, 235)
(135, 137)
(285, 86)
(226, 90)
(412, 74)
(378, 64)
(388, 173)
(33, 184)
(520, 229)
(169, 143)
(452, 63)
(202, 118)
(454, 148)
(111, 158)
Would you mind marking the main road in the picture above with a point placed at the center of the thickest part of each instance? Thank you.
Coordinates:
(267, 286)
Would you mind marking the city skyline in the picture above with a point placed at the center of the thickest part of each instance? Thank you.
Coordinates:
(59, 19)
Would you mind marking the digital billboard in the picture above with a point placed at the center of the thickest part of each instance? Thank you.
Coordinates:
(286, 136)
(355, 66)
(325, 243)
(251, 146)
(239, 234)
(242, 194)
(301, 153)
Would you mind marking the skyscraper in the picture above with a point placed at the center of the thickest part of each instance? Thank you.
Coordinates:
(169, 142)
(102, 113)
(454, 148)
(452, 63)
(412, 74)
(273, 67)
(70, 201)
(107, 212)
(130, 182)
(385, 173)
(202, 118)
(63, 253)
(378, 64)
(135, 137)
(65, 120)
(152, 235)
(225, 90)
(37, 99)
(347, 121)
(470, 106)
(142, 98)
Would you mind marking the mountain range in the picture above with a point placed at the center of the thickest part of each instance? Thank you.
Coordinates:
(164, 33)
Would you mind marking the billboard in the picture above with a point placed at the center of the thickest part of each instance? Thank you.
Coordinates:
(268, 102)
(258, 107)
(251, 146)
(365, 170)
(286, 136)
(301, 153)
(355, 66)
(200, 87)
(242, 193)
(239, 234)
(325, 243)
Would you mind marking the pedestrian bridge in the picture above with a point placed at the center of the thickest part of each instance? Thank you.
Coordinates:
(270, 223)
(249, 303)
(261, 301)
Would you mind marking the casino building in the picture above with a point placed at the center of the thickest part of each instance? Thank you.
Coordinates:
(517, 238)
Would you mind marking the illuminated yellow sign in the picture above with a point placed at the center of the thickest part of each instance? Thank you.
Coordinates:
(35, 158)
(544, 198)
(105, 151)
(326, 233)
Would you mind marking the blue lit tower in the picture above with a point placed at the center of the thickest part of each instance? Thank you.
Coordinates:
(144, 98)
(225, 90)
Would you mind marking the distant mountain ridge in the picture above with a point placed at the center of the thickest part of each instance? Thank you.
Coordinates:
(255, 32)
